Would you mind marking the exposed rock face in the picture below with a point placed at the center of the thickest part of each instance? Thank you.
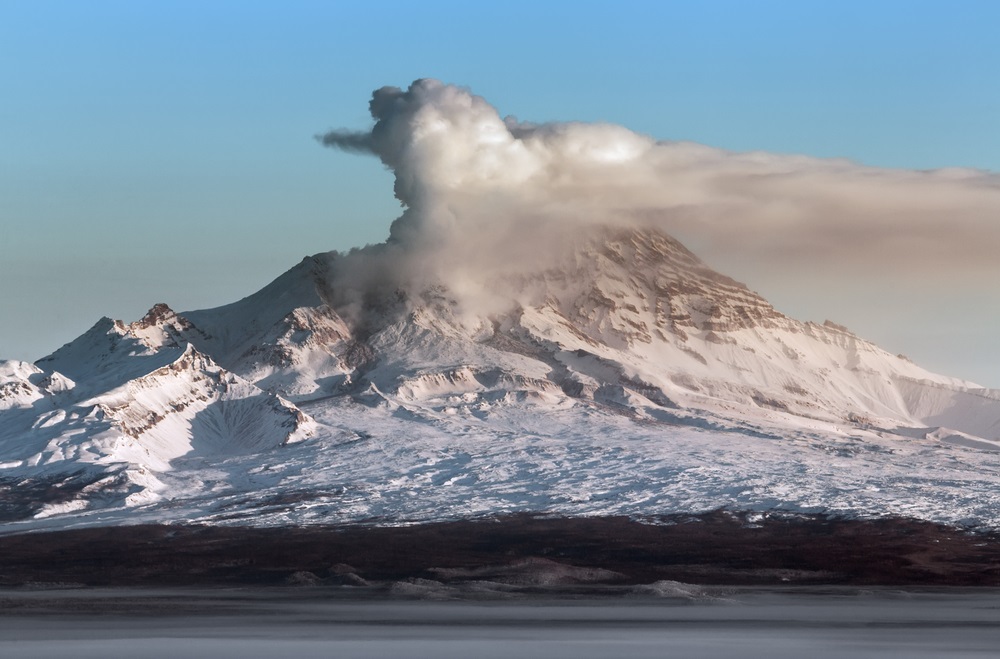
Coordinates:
(646, 274)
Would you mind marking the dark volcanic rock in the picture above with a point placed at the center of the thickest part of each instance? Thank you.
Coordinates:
(713, 548)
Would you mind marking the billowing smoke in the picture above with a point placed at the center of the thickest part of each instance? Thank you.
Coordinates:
(484, 195)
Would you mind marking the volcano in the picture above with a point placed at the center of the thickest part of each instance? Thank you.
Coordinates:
(620, 376)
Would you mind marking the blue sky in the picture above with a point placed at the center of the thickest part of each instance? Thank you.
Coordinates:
(164, 151)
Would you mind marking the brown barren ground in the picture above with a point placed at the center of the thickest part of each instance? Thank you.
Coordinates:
(712, 548)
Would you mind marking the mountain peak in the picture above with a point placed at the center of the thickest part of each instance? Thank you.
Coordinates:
(159, 313)
(642, 285)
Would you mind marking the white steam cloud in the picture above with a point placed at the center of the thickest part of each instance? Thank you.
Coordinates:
(485, 194)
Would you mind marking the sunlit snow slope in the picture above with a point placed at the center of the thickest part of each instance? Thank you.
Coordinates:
(623, 376)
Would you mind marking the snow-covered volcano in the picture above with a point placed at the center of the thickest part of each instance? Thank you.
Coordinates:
(619, 376)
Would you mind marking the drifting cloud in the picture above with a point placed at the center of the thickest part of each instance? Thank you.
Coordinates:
(483, 193)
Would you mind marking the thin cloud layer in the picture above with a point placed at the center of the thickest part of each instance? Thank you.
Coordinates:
(484, 195)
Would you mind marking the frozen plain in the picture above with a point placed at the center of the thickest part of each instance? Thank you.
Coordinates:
(699, 623)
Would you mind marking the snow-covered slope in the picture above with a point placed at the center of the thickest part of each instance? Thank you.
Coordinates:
(146, 398)
(634, 320)
(620, 376)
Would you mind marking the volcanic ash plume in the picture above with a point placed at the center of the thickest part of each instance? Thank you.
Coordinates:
(486, 196)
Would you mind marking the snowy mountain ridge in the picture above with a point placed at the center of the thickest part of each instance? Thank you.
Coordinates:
(621, 376)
